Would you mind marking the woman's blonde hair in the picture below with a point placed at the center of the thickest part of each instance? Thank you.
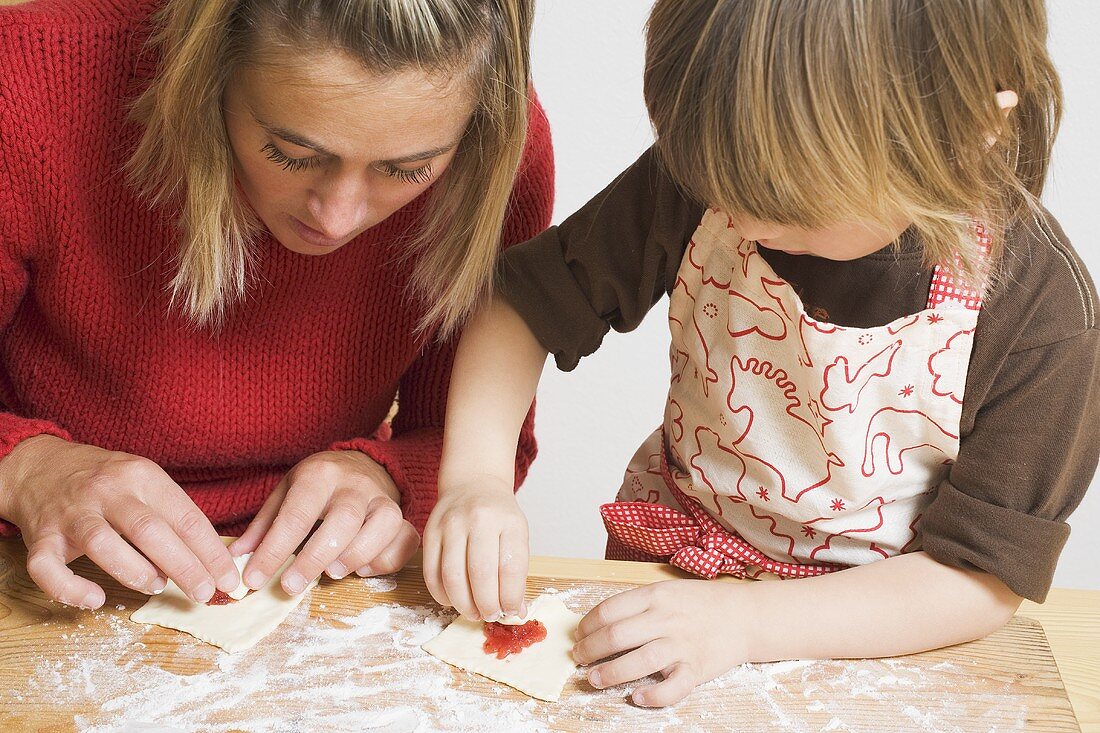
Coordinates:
(184, 155)
(812, 112)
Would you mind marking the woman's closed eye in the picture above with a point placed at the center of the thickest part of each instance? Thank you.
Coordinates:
(286, 162)
(423, 174)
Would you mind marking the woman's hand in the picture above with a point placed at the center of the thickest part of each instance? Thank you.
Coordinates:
(121, 510)
(685, 630)
(361, 530)
(475, 551)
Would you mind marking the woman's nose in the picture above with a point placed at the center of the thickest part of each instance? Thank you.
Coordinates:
(339, 207)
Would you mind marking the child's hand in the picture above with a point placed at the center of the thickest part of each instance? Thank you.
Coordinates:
(361, 527)
(475, 551)
(679, 628)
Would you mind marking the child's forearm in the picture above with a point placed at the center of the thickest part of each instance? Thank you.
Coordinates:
(902, 605)
(496, 370)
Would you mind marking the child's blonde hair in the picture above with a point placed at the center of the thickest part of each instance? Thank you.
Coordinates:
(812, 112)
(184, 153)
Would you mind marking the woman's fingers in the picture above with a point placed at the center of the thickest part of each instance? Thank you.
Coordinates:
(261, 523)
(196, 531)
(297, 515)
(106, 548)
(47, 559)
(396, 555)
(156, 539)
(343, 518)
(383, 525)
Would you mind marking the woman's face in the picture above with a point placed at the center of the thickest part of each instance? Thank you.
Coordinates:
(326, 149)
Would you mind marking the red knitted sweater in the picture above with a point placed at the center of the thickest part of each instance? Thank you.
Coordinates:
(90, 351)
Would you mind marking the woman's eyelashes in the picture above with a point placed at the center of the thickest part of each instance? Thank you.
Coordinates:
(423, 174)
(284, 161)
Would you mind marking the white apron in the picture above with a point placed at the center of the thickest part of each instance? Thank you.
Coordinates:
(789, 445)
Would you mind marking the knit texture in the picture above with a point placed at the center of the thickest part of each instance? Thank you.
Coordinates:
(91, 351)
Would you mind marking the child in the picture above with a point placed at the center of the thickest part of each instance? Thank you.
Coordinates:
(884, 353)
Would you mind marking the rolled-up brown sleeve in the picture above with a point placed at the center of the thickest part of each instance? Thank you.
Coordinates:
(605, 266)
(1023, 468)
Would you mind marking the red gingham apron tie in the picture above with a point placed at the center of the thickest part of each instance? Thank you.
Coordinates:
(692, 542)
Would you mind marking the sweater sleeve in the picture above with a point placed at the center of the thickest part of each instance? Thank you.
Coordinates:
(17, 235)
(411, 455)
(605, 266)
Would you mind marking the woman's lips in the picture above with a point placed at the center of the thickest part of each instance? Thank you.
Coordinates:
(312, 236)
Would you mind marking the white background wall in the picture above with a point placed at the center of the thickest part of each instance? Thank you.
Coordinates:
(588, 60)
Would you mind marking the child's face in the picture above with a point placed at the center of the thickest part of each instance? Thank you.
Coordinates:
(325, 149)
(835, 242)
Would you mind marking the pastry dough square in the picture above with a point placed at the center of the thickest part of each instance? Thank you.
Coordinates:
(235, 626)
(541, 670)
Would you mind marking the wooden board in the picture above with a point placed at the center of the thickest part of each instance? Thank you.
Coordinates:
(352, 661)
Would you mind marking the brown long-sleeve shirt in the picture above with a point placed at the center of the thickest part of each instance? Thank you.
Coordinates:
(1030, 429)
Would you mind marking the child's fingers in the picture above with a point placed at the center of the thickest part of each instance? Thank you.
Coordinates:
(616, 637)
(642, 662)
(433, 564)
(47, 560)
(483, 567)
(453, 569)
(616, 608)
(678, 684)
(514, 558)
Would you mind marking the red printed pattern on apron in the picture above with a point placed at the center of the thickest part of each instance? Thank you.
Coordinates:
(791, 446)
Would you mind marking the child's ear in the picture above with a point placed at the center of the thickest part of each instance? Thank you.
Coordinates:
(1007, 101)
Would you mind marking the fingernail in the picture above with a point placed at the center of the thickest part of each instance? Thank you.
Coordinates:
(90, 601)
(364, 572)
(254, 579)
(158, 587)
(204, 592)
(638, 698)
(494, 617)
(594, 678)
(336, 570)
(229, 581)
(294, 583)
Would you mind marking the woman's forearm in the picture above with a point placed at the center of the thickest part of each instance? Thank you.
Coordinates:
(902, 605)
(496, 370)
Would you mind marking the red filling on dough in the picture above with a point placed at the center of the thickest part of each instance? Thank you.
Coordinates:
(220, 598)
(502, 639)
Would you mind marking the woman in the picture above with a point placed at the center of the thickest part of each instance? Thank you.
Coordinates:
(231, 231)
